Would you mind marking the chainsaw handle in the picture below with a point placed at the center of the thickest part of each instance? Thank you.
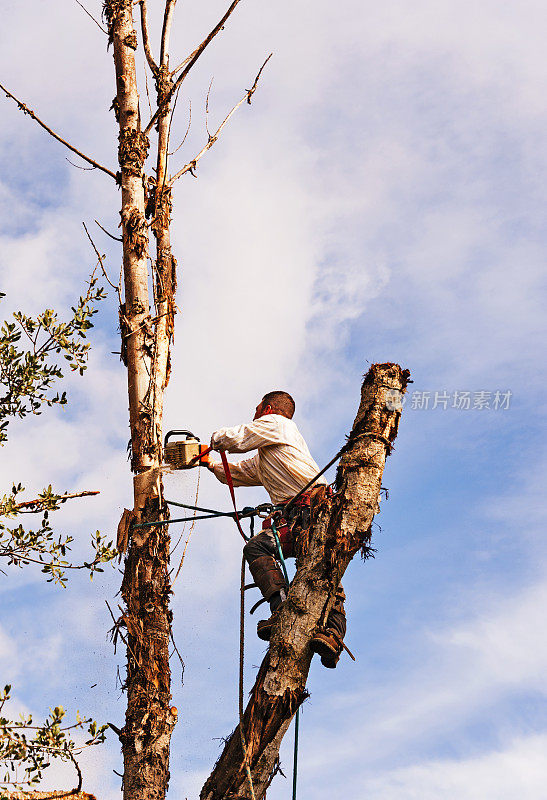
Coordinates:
(188, 434)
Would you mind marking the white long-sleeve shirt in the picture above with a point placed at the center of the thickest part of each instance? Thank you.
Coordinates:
(283, 464)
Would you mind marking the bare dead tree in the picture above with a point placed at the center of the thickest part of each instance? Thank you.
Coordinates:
(341, 527)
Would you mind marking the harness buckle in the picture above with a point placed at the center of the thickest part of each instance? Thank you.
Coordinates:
(264, 510)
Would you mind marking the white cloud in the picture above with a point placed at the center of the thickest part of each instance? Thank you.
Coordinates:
(518, 769)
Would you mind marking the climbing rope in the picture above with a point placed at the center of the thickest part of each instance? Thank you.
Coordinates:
(295, 753)
(241, 664)
(297, 715)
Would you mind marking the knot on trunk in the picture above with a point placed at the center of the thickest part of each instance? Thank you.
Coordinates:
(134, 225)
(162, 207)
(132, 150)
(131, 40)
(165, 270)
(124, 333)
(164, 88)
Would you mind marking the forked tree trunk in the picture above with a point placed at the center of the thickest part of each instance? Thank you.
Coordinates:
(341, 527)
(146, 588)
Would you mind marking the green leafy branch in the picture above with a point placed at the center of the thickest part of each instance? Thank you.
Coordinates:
(28, 374)
(41, 546)
(27, 750)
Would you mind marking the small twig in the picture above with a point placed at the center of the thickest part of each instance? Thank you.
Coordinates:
(78, 789)
(207, 108)
(252, 90)
(100, 257)
(187, 130)
(87, 169)
(146, 38)
(96, 21)
(189, 62)
(182, 664)
(191, 166)
(15, 558)
(169, 136)
(116, 238)
(39, 727)
(62, 498)
(33, 116)
(116, 730)
(147, 91)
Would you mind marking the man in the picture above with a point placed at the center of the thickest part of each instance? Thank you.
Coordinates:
(283, 465)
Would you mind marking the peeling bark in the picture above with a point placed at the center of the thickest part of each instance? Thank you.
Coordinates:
(341, 527)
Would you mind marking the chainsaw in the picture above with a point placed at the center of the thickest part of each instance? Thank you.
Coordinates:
(183, 453)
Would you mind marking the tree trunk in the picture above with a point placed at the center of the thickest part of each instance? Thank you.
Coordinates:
(146, 588)
(341, 526)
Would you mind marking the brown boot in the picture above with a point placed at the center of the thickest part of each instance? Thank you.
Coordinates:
(265, 626)
(327, 644)
(270, 580)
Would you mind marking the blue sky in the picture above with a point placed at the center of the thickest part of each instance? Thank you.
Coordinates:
(382, 199)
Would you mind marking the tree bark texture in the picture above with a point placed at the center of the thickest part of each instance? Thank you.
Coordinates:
(146, 589)
(341, 527)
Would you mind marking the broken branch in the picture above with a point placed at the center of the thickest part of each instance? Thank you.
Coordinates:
(62, 498)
